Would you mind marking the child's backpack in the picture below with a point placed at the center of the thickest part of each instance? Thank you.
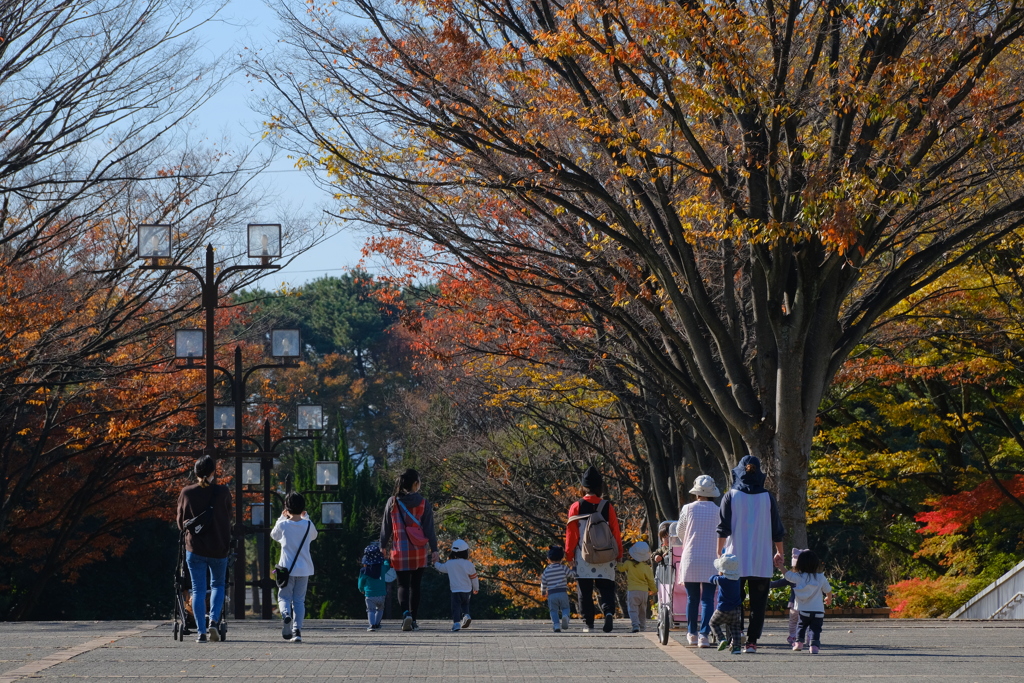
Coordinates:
(598, 542)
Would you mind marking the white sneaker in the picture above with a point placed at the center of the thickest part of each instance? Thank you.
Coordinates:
(702, 641)
(691, 638)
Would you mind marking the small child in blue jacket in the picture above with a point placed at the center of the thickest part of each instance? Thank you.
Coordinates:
(374, 576)
(728, 613)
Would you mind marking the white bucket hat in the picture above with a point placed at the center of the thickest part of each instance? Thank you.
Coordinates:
(459, 545)
(704, 485)
(641, 552)
(729, 565)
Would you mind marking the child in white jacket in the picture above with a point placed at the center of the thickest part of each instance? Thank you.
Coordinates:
(812, 592)
(463, 581)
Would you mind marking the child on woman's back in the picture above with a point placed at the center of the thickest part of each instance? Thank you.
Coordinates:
(728, 613)
(374, 577)
(554, 585)
(639, 583)
(812, 592)
(462, 580)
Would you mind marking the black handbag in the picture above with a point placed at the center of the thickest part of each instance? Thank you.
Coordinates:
(282, 574)
(197, 524)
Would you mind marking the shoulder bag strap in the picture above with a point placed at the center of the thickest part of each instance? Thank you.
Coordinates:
(301, 543)
(191, 523)
(411, 516)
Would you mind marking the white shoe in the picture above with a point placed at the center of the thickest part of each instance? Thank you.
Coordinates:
(691, 638)
(702, 641)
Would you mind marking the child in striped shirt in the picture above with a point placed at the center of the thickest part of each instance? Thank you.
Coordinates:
(554, 584)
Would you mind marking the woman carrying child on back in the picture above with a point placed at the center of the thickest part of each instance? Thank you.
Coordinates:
(813, 592)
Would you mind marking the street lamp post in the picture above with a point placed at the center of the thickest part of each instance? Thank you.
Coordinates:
(264, 242)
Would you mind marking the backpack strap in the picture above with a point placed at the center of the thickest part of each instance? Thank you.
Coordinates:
(586, 515)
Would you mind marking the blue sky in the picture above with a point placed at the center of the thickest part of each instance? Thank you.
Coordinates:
(251, 23)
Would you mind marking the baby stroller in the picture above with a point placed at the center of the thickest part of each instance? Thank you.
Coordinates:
(671, 595)
(184, 620)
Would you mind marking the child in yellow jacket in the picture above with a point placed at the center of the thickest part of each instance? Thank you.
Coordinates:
(639, 583)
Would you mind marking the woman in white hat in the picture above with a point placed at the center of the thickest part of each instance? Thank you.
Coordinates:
(698, 530)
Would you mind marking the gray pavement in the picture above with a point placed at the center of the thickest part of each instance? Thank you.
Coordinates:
(500, 651)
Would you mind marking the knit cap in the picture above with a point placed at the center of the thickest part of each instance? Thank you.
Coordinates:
(556, 553)
(592, 478)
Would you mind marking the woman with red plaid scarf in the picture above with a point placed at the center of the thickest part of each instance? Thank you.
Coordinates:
(406, 531)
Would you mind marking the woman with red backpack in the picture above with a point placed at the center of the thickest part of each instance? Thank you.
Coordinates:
(406, 532)
(594, 545)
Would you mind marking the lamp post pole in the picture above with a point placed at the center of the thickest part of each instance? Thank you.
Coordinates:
(209, 282)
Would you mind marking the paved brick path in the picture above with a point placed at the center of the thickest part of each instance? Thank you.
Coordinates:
(505, 651)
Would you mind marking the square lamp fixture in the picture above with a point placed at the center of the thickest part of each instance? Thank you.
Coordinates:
(251, 472)
(258, 514)
(154, 241)
(284, 343)
(264, 240)
(189, 344)
(330, 513)
(224, 418)
(310, 418)
(327, 473)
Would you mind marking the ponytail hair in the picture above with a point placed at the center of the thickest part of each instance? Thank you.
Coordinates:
(406, 480)
(204, 467)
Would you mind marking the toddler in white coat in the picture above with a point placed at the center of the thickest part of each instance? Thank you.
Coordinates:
(812, 592)
(462, 580)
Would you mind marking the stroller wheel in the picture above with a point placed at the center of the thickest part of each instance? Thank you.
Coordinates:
(664, 623)
(222, 629)
(175, 630)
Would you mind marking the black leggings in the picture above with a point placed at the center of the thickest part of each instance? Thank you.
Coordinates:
(756, 588)
(409, 590)
(606, 591)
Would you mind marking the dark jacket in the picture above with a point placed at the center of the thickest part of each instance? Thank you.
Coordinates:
(215, 540)
(729, 595)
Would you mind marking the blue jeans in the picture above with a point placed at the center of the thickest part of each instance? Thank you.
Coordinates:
(374, 609)
(558, 603)
(698, 596)
(292, 599)
(460, 605)
(201, 569)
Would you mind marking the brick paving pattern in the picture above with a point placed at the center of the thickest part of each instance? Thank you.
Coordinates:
(881, 651)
